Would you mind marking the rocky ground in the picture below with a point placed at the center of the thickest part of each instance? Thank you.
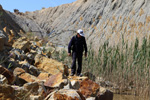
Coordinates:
(28, 72)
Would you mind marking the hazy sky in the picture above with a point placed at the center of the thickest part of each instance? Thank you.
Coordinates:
(31, 5)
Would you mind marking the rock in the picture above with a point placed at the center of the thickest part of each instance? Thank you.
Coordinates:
(32, 87)
(90, 98)
(56, 81)
(29, 68)
(3, 79)
(10, 77)
(30, 57)
(10, 34)
(104, 94)
(49, 65)
(43, 76)
(36, 97)
(21, 93)
(2, 41)
(1, 44)
(39, 43)
(68, 86)
(22, 43)
(34, 71)
(77, 78)
(7, 92)
(65, 94)
(75, 84)
(27, 77)
(89, 88)
(18, 71)
(22, 77)
(18, 54)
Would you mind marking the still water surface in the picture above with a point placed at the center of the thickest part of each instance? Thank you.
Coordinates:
(127, 97)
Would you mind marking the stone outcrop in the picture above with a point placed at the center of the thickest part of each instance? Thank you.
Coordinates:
(10, 28)
(50, 65)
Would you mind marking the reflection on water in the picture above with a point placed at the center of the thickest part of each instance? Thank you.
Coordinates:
(127, 97)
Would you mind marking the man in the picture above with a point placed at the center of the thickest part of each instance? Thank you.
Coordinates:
(77, 44)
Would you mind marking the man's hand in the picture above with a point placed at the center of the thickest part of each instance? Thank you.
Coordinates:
(69, 54)
(85, 54)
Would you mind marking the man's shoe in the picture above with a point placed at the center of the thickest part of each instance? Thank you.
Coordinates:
(80, 75)
(71, 74)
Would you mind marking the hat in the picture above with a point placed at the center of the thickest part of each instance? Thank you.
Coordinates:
(80, 31)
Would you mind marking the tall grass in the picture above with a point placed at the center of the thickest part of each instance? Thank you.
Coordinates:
(126, 66)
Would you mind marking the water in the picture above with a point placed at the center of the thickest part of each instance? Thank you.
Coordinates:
(128, 97)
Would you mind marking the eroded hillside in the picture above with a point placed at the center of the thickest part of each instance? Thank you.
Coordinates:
(101, 20)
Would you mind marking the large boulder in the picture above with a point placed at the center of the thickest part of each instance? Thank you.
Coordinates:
(89, 88)
(50, 65)
(10, 77)
(56, 81)
(22, 43)
(65, 94)
(22, 77)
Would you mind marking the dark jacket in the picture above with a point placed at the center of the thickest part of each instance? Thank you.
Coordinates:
(77, 45)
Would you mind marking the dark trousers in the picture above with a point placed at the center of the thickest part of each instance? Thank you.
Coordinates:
(78, 57)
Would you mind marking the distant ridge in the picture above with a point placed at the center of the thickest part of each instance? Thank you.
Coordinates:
(101, 20)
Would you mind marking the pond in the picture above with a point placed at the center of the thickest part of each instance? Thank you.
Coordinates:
(127, 97)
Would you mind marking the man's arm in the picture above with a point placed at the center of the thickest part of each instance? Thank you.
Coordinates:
(69, 46)
(85, 47)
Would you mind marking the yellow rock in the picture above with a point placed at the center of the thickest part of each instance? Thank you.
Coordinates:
(57, 80)
(49, 65)
(22, 43)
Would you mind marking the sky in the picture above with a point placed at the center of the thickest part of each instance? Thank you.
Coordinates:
(31, 5)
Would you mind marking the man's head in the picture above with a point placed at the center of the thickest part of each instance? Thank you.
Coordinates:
(80, 33)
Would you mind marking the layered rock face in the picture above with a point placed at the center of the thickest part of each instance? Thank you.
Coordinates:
(9, 29)
(101, 20)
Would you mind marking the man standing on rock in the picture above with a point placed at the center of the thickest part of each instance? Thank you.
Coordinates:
(77, 44)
